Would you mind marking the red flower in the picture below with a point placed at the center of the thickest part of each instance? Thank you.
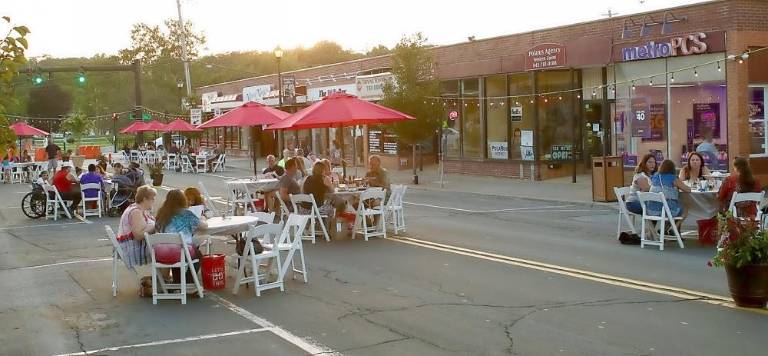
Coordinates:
(709, 263)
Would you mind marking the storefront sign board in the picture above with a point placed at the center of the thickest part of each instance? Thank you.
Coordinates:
(256, 93)
(498, 150)
(371, 87)
(526, 152)
(676, 46)
(195, 116)
(545, 56)
(516, 113)
(560, 153)
(641, 126)
(206, 100)
(526, 138)
(318, 93)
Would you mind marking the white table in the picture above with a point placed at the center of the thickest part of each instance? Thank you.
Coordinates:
(261, 185)
(231, 225)
(700, 205)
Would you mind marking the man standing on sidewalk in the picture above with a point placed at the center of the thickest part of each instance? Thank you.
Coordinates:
(52, 150)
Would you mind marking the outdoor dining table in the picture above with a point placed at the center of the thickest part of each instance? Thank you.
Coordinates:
(700, 205)
(256, 185)
(220, 226)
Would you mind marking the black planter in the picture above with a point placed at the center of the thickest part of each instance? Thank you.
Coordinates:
(748, 285)
(157, 179)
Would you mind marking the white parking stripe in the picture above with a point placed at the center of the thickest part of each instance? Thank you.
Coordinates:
(42, 225)
(488, 211)
(309, 347)
(63, 263)
(166, 342)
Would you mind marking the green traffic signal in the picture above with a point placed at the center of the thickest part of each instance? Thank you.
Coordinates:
(38, 79)
(81, 78)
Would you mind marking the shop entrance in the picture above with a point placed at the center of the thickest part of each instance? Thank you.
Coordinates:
(757, 118)
(592, 126)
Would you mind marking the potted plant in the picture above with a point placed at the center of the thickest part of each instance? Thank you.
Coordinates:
(77, 124)
(743, 251)
(156, 173)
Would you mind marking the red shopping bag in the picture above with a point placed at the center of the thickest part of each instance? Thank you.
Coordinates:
(213, 270)
(707, 230)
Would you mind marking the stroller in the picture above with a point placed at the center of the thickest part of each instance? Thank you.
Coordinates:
(120, 198)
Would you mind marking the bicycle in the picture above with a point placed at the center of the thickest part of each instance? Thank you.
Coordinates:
(33, 204)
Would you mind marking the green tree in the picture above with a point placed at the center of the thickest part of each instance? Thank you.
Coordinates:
(379, 50)
(12, 49)
(49, 100)
(77, 124)
(150, 44)
(412, 67)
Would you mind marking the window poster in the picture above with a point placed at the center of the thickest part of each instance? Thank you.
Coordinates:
(641, 126)
(657, 122)
(706, 116)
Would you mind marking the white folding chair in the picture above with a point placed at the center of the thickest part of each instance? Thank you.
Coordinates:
(201, 163)
(171, 162)
(264, 217)
(284, 212)
(117, 254)
(625, 216)
(267, 232)
(314, 215)
(186, 165)
(394, 208)
(53, 202)
(374, 199)
(743, 199)
(238, 194)
(135, 156)
(660, 220)
(219, 164)
(207, 199)
(185, 262)
(16, 173)
(97, 199)
(150, 157)
(291, 235)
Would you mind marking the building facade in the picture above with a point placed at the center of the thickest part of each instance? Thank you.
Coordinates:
(540, 104)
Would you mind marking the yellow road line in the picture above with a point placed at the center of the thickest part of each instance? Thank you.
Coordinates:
(581, 274)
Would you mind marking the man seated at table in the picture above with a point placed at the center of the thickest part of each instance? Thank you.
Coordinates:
(174, 149)
(66, 183)
(273, 167)
(376, 175)
(288, 184)
(135, 175)
(92, 177)
(217, 152)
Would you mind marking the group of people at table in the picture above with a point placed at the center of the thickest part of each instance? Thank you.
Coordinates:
(655, 177)
(187, 149)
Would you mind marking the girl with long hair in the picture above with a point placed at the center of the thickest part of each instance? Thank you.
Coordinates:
(695, 169)
(641, 182)
(741, 180)
(665, 181)
(173, 216)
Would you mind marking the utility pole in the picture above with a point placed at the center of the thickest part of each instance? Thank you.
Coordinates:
(184, 58)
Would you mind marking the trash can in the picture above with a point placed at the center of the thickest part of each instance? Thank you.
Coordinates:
(214, 276)
(607, 172)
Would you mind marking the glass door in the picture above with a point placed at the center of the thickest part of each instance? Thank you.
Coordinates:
(758, 145)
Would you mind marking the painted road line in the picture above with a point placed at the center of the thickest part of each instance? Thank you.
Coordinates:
(167, 342)
(41, 225)
(311, 348)
(582, 274)
(488, 211)
(58, 264)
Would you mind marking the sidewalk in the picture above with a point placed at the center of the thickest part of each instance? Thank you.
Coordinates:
(559, 189)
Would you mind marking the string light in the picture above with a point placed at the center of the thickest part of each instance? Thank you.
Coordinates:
(650, 81)
(594, 92)
(719, 69)
(560, 98)
(695, 73)
(672, 77)
(633, 86)
(578, 96)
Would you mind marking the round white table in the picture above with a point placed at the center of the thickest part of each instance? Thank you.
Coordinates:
(261, 185)
(231, 225)
(700, 205)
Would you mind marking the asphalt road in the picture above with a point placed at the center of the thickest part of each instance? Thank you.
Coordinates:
(473, 275)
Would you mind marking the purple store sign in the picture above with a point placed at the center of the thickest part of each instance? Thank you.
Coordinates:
(676, 46)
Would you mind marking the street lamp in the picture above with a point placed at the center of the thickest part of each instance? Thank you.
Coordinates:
(278, 57)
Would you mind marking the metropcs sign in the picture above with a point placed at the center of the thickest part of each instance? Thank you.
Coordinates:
(675, 46)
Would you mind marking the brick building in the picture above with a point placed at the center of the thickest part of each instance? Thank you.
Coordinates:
(540, 104)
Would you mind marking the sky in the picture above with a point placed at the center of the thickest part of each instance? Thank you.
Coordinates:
(82, 28)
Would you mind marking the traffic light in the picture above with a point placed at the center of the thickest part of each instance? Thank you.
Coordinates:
(81, 78)
(38, 79)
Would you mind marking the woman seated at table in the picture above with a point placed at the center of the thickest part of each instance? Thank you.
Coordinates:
(665, 181)
(173, 216)
(695, 170)
(195, 199)
(135, 223)
(641, 182)
(741, 180)
(318, 185)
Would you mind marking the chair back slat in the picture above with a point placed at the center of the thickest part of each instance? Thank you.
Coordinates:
(116, 245)
(165, 238)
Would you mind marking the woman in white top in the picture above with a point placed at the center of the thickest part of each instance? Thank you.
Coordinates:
(695, 170)
(641, 182)
(135, 223)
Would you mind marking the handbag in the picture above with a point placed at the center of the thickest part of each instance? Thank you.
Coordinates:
(240, 246)
(628, 238)
(707, 230)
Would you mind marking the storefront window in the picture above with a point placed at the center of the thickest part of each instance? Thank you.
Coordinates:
(556, 113)
(497, 112)
(451, 117)
(521, 110)
(472, 128)
(697, 109)
(757, 117)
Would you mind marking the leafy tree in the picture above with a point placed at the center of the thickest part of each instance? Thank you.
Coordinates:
(49, 100)
(12, 48)
(379, 50)
(151, 43)
(414, 81)
(78, 124)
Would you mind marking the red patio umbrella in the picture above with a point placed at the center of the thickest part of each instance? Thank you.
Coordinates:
(23, 129)
(133, 128)
(179, 125)
(338, 110)
(250, 114)
(153, 125)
